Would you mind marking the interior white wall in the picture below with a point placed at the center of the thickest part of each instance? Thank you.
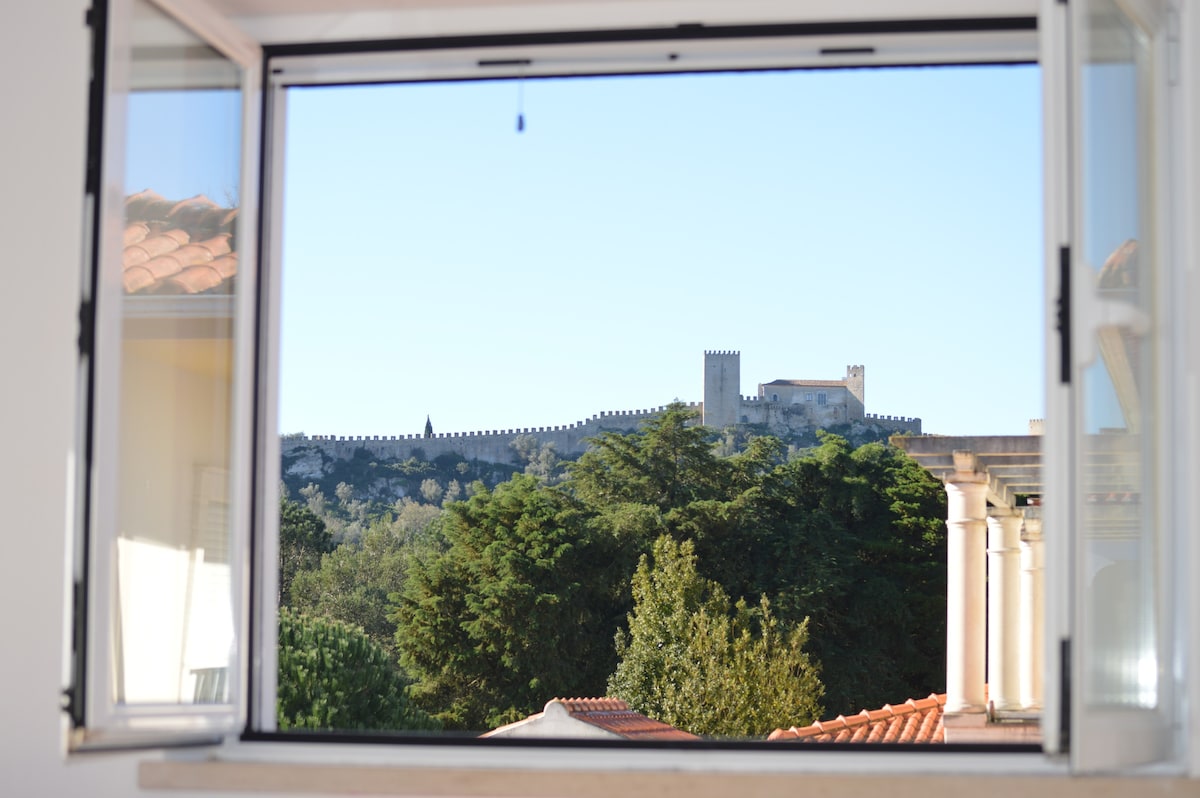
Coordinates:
(43, 61)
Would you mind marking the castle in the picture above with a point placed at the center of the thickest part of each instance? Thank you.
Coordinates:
(783, 407)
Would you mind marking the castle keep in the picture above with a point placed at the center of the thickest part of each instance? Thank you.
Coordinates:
(783, 407)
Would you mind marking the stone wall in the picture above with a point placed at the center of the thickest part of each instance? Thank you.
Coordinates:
(722, 388)
(494, 446)
(723, 406)
(490, 446)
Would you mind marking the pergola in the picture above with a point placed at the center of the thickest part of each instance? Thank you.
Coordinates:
(994, 559)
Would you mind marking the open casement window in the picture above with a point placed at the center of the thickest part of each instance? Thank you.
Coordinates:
(1118, 280)
(163, 652)
(166, 358)
(296, 70)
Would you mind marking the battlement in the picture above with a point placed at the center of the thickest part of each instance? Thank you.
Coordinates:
(723, 406)
(603, 416)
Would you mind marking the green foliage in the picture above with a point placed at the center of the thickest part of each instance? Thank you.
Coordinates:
(302, 540)
(331, 676)
(854, 539)
(497, 603)
(692, 660)
(515, 608)
(366, 485)
(353, 582)
(667, 463)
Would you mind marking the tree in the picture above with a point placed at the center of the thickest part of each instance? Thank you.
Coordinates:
(431, 491)
(539, 459)
(667, 463)
(315, 498)
(854, 539)
(692, 660)
(413, 519)
(331, 676)
(353, 582)
(518, 607)
(303, 538)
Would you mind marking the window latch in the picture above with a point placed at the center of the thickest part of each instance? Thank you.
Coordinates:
(1064, 315)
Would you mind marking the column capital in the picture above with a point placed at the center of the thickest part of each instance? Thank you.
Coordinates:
(1032, 531)
(964, 478)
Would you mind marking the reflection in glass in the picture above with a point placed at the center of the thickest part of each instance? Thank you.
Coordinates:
(174, 631)
(1118, 518)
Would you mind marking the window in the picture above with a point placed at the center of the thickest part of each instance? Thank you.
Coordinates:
(172, 297)
(461, 144)
(808, 397)
(201, 355)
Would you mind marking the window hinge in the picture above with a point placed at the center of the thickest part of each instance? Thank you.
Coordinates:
(1064, 315)
(87, 327)
(1064, 696)
(72, 694)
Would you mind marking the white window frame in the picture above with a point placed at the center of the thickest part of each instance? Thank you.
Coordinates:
(101, 722)
(1056, 76)
(1110, 738)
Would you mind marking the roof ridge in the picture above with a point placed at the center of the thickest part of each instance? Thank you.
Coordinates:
(917, 720)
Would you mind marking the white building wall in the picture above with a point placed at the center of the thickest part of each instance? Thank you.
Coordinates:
(43, 56)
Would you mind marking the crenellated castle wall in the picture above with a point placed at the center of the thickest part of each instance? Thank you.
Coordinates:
(490, 446)
(783, 407)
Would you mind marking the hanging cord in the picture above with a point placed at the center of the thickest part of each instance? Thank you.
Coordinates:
(521, 102)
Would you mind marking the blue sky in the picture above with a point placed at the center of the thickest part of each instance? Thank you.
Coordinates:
(437, 261)
(184, 143)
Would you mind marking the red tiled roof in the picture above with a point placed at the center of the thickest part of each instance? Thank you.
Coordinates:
(914, 721)
(611, 715)
(614, 715)
(178, 247)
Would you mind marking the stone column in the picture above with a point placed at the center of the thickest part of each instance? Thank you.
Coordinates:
(1032, 610)
(1004, 602)
(966, 576)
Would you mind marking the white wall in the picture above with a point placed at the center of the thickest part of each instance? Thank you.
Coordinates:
(44, 63)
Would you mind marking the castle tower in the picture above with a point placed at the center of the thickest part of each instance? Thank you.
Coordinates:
(722, 388)
(856, 385)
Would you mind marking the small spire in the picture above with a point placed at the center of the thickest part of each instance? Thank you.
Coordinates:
(428, 428)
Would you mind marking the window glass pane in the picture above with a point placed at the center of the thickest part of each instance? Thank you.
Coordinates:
(173, 626)
(478, 276)
(1118, 523)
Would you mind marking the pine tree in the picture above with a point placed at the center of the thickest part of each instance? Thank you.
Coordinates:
(331, 676)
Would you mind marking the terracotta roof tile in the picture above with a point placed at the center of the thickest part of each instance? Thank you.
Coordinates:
(178, 246)
(614, 715)
(914, 721)
(611, 715)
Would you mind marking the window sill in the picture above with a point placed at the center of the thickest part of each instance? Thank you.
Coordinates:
(556, 778)
(305, 768)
